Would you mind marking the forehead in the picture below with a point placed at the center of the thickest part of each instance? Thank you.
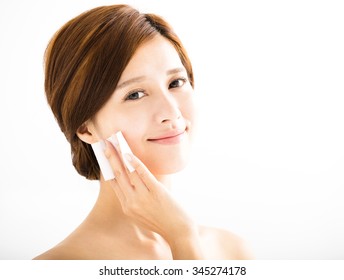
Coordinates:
(157, 54)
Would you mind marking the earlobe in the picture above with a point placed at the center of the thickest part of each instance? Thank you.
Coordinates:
(85, 134)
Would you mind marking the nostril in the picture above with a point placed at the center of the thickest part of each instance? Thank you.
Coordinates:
(172, 119)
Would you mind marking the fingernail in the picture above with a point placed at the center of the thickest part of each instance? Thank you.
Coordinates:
(113, 139)
(125, 149)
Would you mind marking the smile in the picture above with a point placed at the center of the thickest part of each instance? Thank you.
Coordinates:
(170, 138)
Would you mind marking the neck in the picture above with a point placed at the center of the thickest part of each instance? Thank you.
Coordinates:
(108, 213)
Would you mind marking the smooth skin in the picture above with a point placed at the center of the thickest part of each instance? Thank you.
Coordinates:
(135, 216)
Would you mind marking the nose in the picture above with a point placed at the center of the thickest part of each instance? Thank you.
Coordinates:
(167, 109)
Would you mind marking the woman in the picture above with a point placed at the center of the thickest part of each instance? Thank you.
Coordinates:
(114, 69)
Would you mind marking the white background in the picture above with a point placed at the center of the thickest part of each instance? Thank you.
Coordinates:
(268, 163)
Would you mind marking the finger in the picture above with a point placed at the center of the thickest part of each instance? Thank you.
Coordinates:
(141, 176)
(116, 163)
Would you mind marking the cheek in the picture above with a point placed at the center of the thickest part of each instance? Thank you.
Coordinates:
(187, 104)
(133, 129)
(189, 112)
(106, 122)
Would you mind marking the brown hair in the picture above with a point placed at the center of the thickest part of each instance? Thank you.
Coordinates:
(84, 62)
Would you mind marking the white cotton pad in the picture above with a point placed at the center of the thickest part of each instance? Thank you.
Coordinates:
(105, 167)
(125, 149)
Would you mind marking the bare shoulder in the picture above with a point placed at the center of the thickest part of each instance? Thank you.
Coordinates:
(59, 252)
(222, 244)
(71, 248)
(86, 245)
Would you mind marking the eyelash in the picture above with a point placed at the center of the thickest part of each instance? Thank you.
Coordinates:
(127, 97)
(184, 80)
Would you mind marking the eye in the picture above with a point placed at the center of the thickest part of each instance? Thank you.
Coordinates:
(135, 95)
(177, 83)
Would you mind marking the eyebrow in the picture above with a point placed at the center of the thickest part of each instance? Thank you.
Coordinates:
(141, 78)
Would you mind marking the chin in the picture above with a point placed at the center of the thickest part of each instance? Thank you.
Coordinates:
(168, 170)
(167, 166)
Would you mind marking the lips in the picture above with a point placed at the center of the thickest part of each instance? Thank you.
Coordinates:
(170, 137)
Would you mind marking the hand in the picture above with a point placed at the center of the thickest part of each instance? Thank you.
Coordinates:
(149, 203)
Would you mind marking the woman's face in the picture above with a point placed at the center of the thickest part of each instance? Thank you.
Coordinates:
(153, 107)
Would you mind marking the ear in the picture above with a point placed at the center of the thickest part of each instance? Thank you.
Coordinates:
(86, 133)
